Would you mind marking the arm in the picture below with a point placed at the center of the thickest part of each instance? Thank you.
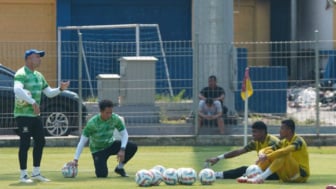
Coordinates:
(201, 97)
(220, 98)
(227, 155)
(221, 94)
(219, 110)
(281, 152)
(52, 92)
(201, 114)
(219, 114)
(200, 109)
(80, 146)
(124, 140)
(20, 93)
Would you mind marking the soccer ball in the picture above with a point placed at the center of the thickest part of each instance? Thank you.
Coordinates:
(179, 174)
(157, 177)
(69, 170)
(186, 176)
(159, 168)
(143, 177)
(252, 171)
(207, 176)
(170, 176)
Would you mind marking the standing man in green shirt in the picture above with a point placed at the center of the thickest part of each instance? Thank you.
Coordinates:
(100, 131)
(28, 87)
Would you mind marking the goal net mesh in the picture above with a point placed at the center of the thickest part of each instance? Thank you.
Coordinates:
(103, 46)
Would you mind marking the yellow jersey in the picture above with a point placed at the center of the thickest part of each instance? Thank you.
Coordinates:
(298, 147)
(270, 140)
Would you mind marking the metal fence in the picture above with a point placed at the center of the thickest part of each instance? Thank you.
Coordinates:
(159, 96)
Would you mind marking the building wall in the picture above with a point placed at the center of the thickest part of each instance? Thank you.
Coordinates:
(173, 16)
(252, 20)
(35, 21)
(252, 23)
(28, 22)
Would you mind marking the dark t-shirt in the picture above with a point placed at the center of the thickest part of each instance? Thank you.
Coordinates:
(216, 92)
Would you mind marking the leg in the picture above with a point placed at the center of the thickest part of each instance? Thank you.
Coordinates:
(273, 176)
(24, 133)
(220, 123)
(39, 141)
(286, 168)
(100, 158)
(130, 150)
(200, 121)
(100, 163)
(234, 173)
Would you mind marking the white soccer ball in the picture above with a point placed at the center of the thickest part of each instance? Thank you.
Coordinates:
(170, 176)
(179, 174)
(143, 177)
(186, 176)
(252, 171)
(157, 177)
(207, 176)
(159, 168)
(69, 170)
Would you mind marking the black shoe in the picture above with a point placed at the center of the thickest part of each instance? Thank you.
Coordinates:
(120, 172)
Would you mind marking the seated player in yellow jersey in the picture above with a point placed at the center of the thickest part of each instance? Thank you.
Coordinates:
(261, 139)
(288, 159)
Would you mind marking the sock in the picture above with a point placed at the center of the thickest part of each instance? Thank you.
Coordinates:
(120, 166)
(219, 175)
(266, 173)
(36, 171)
(23, 172)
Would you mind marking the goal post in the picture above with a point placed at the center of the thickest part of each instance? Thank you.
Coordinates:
(133, 39)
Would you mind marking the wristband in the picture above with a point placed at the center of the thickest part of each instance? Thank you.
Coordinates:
(222, 156)
(122, 148)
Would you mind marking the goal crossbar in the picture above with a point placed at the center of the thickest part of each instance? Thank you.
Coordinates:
(93, 27)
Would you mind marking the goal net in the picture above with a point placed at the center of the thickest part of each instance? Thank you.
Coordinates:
(98, 49)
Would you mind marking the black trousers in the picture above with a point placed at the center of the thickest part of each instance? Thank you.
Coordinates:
(100, 158)
(30, 127)
(235, 173)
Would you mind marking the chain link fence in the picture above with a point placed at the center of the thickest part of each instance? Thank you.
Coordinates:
(159, 94)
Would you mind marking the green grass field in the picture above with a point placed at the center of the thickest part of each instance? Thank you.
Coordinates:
(322, 164)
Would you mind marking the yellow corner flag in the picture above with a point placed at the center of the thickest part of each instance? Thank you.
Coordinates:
(247, 89)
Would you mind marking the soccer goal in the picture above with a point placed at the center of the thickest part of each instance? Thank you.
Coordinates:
(98, 48)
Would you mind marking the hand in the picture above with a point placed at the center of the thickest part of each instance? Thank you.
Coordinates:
(36, 108)
(207, 117)
(212, 117)
(73, 163)
(261, 158)
(64, 85)
(121, 156)
(213, 160)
